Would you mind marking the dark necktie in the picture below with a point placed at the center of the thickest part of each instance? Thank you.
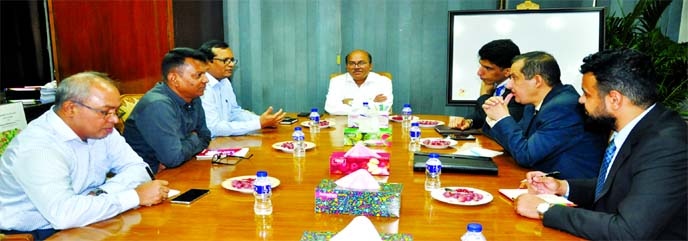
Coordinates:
(531, 122)
(499, 91)
(608, 154)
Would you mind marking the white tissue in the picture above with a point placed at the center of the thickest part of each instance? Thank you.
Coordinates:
(360, 150)
(360, 229)
(361, 179)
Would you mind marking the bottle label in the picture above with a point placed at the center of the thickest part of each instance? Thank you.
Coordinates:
(262, 189)
(315, 118)
(406, 112)
(434, 168)
(298, 138)
(415, 134)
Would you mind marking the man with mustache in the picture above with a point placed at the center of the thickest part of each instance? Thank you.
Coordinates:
(53, 175)
(223, 114)
(552, 135)
(167, 126)
(348, 91)
(640, 192)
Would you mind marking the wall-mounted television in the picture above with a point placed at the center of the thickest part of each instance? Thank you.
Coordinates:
(568, 34)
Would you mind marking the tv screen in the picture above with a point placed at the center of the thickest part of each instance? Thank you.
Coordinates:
(568, 34)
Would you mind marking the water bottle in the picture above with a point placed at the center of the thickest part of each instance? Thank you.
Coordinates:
(473, 233)
(297, 139)
(262, 192)
(406, 116)
(414, 132)
(370, 120)
(433, 170)
(315, 121)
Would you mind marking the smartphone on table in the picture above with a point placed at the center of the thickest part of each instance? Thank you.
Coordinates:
(190, 196)
(288, 120)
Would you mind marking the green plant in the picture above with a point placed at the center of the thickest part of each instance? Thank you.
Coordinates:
(638, 30)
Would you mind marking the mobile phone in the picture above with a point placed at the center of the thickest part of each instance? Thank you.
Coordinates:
(461, 137)
(303, 114)
(288, 120)
(190, 196)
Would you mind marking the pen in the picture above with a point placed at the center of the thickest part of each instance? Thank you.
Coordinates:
(549, 174)
(150, 173)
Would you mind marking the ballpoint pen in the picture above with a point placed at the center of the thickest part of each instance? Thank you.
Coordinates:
(150, 173)
(549, 174)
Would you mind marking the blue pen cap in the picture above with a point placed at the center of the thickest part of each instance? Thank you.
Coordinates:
(261, 174)
(314, 110)
(298, 128)
(474, 227)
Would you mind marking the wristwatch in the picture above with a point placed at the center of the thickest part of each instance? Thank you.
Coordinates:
(542, 208)
(97, 192)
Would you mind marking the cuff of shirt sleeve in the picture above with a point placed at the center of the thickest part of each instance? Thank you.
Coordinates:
(128, 199)
(492, 122)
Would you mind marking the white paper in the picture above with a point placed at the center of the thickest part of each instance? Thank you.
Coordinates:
(550, 198)
(479, 151)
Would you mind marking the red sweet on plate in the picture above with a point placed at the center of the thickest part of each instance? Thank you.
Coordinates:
(397, 118)
(436, 142)
(288, 145)
(428, 122)
(246, 183)
(463, 195)
(324, 123)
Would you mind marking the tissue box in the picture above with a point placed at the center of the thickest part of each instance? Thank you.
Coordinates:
(324, 236)
(383, 203)
(383, 118)
(382, 138)
(345, 165)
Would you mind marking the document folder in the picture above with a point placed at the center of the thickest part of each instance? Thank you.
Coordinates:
(458, 163)
(445, 130)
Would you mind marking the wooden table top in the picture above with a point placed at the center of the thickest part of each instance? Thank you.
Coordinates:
(228, 215)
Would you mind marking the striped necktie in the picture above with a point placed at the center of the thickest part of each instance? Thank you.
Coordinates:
(608, 155)
(499, 91)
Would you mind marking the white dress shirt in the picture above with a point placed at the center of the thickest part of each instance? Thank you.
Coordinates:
(344, 86)
(620, 137)
(223, 115)
(47, 172)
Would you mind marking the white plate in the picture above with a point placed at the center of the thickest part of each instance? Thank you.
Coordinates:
(451, 143)
(308, 124)
(430, 126)
(413, 118)
(227, 184)
(438, 195)
(278, 146)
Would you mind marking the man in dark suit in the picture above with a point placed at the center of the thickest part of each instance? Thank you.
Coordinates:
(552, 135)
(494, 71)
(640, 192)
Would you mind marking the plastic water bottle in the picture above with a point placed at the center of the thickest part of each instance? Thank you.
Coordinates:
(315, 121)
(473, 233)
(433, 170)
(370, 122)
(262, 191)
(406, 116)
(297, 139)
(414, 132)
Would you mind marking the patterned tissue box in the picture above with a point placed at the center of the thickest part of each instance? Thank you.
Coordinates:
(345, 165)
(382, 138)
(385, 202)
(324, 236)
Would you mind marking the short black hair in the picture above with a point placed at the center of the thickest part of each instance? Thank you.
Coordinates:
(540, 63)
(500, 52)
(207, 48)
(370, 57)
(176, 57)
(625, 70)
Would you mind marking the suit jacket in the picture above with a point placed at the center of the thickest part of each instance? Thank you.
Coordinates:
(644, 195)
(478, 115)
(556, 139)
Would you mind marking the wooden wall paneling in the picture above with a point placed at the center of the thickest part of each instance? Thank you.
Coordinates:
(126, 39)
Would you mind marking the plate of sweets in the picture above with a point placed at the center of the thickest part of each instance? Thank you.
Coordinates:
(437, 143)
(323, 123)
(399, 118)
(429, 123)
(465, 196)
(244, 184)
(288, 146)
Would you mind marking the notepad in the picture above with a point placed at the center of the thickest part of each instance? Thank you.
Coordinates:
(208, 154)
(550, 198)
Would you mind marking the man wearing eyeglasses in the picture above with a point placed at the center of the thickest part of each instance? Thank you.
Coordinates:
(358, 85)
(53, 174)
(223, 114)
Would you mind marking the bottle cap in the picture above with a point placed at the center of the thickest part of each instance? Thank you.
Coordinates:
(261, 174)
(474, 227)
(434, 155)
(298, 128)
(414, 124)
(407, 105)
(314, 110)
(365, 103)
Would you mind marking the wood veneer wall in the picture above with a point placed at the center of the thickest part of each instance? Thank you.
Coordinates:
(126, 39)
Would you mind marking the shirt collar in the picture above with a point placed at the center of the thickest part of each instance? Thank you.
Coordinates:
(62, 130)
(212, 81)
(620, 137)
(176, 98)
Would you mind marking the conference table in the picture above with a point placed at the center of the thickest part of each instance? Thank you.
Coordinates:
(228, 215)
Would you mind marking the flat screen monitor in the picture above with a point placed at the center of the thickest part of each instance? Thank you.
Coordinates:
(568, 34)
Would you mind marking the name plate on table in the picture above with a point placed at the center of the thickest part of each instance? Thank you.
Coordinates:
(458, 163)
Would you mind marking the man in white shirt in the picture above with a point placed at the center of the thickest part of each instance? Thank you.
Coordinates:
(53, 174)
(223, 115)
(350, 90)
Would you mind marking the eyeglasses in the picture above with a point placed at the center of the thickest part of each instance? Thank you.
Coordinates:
(359, 64)
(228, 60)
(228, 159)
(103, 113)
